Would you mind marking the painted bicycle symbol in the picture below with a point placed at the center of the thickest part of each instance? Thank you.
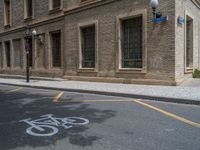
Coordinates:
(47, 124)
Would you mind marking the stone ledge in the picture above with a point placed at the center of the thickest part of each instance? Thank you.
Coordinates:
(122, 80)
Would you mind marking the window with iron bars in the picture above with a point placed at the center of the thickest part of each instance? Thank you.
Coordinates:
(132, 43)
(88, 47)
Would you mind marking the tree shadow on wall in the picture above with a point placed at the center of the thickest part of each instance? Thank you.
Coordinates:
(16, 107)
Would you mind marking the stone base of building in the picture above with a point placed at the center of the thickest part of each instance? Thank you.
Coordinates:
(47, 75)
(123, 80)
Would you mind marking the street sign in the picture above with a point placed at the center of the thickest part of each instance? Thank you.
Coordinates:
(181, 20)
(159, 20)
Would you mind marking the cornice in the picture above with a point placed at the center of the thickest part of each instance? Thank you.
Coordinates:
(88, 5)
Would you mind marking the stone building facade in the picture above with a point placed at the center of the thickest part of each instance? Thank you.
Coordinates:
(101, 40)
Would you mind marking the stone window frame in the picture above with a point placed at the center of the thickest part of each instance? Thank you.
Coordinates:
(188, 14)
(54, 10)
(40, 37)
(5, 18)
(119, 20)
(82, 25)
(21, 53)
(25, 10)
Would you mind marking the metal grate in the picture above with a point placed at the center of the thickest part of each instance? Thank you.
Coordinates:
(88, 47)
(132, 43)
(56, 49)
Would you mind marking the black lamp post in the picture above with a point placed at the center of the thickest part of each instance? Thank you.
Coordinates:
(28, 36)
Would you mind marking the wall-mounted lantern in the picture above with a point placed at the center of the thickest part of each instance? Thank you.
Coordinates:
(158, 17)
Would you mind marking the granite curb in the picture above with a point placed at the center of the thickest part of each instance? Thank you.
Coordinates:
(143, 97)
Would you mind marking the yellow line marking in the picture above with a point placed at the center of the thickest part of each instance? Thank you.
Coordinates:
(57, 97)
(15, 90)
(169, 114)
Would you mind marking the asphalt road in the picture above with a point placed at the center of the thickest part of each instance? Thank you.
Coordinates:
(101, 123)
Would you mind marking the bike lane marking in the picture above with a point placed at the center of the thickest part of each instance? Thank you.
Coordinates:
(57, 97)
(50, 122)
(174, 116)
(15, 90)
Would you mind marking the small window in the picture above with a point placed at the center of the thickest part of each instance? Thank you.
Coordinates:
(28, 7)
(132, 43)
(7, 13)
(88, 47)
(56, 48)
(7, 53)
(55, 4)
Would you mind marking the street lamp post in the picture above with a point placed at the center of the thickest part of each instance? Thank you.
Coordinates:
(28, 36)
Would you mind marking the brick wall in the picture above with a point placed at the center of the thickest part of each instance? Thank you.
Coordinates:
(163, 45)
(160, 40)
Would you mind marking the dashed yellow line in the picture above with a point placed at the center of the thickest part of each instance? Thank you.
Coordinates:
(15, 90)
(57, 97)
(169, 114)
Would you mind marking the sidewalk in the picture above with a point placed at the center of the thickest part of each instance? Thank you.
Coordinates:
(188, 92)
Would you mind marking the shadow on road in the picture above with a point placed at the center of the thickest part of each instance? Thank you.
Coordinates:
(16, 107)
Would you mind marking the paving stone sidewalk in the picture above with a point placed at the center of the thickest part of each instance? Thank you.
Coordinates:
(188, 92)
